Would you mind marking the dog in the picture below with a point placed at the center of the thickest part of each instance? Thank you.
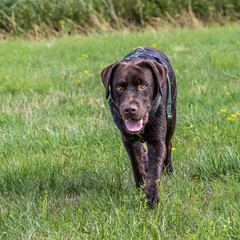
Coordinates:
(142, 94)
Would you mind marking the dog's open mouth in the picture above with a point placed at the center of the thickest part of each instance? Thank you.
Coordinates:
(135, 126)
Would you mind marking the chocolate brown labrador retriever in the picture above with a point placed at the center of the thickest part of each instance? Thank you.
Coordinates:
(142, 96)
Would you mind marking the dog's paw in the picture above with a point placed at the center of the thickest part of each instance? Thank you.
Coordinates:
(151, 194)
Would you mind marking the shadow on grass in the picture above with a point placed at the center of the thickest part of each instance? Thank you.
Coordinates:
(59, 181)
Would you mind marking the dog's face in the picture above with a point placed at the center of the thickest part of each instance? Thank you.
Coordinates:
(133, 87)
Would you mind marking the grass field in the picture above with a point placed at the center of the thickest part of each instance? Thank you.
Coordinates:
(64, 173)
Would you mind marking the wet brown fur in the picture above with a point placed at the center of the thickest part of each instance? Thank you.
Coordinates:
(147, 165)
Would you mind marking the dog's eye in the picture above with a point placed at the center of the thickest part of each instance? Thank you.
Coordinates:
(119, 88)
(143, 86)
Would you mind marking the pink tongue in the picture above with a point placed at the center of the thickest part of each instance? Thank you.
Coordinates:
(133, 125)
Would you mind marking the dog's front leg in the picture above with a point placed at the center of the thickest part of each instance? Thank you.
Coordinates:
(156, 155)
(135, 153)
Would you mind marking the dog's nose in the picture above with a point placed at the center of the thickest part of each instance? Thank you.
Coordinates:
(130, 109)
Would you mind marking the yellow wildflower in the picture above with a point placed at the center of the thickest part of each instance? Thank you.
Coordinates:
(229, 119)
(154, 44)
(133, 48)
(237, 113)
(173, 149)
(78, 81)
(227, 93)
(176, 70)
(233, 115)
(84, 55)
(85, 71)
(223, 110)
(218, 155)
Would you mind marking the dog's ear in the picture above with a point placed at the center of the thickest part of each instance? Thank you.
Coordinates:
(159, 71)
(107, 74)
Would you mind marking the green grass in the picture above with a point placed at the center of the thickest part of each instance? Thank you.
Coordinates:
(64, 173)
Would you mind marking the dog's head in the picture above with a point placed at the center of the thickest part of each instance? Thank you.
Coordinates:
(134, 86)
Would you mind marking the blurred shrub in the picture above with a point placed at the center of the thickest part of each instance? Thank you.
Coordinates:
(43, 16)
